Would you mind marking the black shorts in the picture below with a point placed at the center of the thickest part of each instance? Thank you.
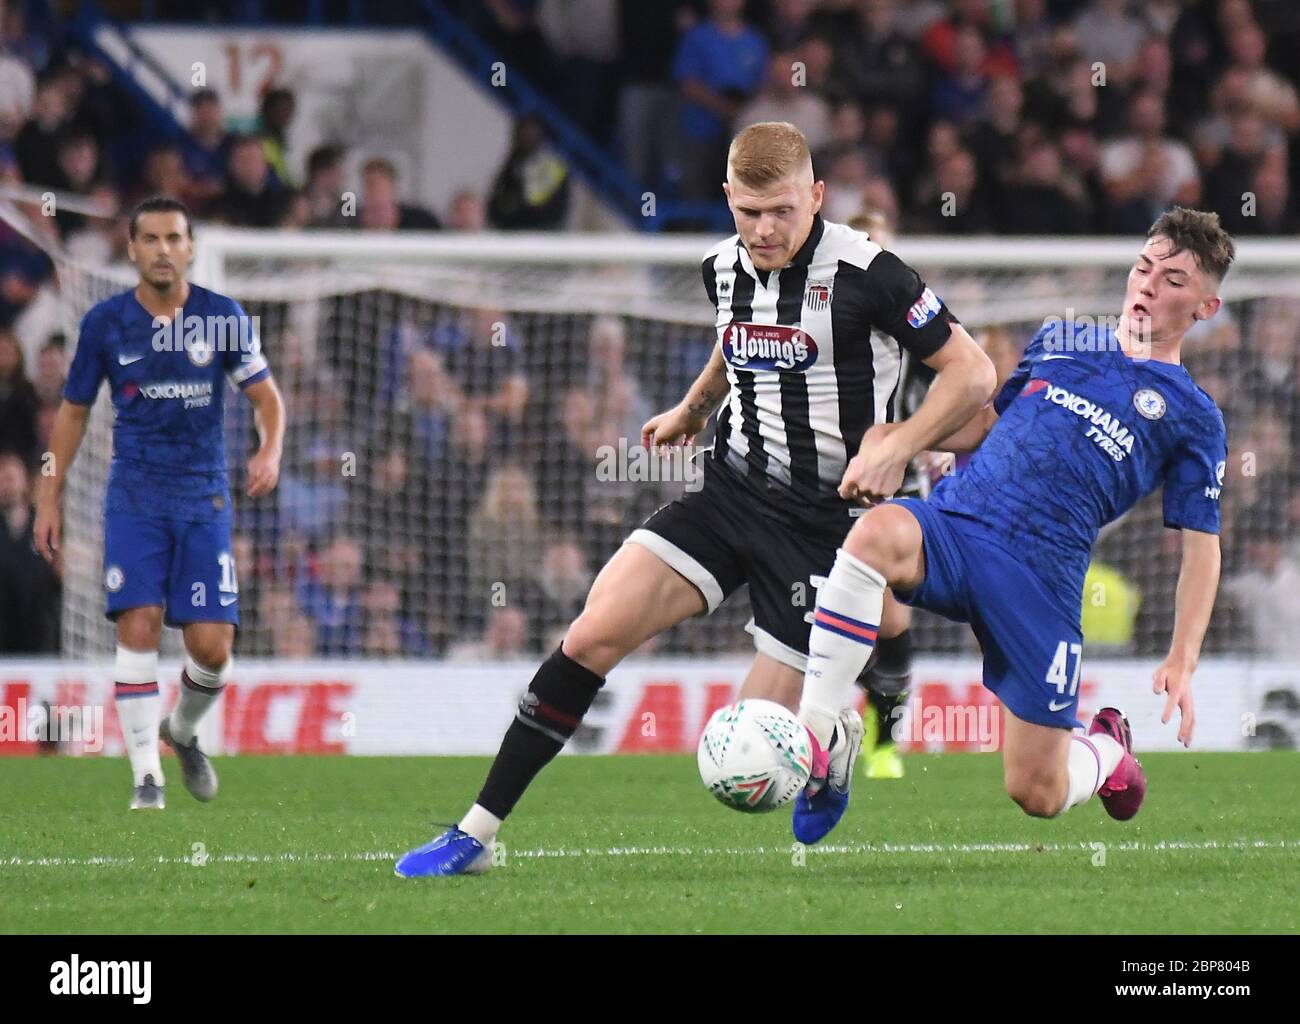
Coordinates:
(720, 537)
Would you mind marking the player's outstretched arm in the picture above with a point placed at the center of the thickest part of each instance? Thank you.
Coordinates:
(65, 439)
(681, 423)
(1198, 581)
(965, 382)
(268, 410)
(966, 439)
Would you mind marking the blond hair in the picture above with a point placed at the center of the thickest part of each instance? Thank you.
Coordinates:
(767, 152)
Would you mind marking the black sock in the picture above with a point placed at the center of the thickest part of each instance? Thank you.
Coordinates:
(549, 713)
(889, 682)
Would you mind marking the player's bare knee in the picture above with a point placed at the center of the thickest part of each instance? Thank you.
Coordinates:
(140, 629)
(885, 539)
(210, 648)
(589, 644)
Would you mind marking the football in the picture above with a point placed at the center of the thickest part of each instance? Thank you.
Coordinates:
(754, 755)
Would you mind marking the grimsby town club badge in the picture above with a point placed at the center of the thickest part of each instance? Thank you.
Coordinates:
(817, 296)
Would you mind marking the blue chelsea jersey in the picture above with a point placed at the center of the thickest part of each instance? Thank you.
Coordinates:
(169, 455)
(1084, 433)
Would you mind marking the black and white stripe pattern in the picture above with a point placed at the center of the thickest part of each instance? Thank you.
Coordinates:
(794, 427)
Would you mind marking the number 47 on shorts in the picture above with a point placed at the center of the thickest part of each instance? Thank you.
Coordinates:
(1057, 673)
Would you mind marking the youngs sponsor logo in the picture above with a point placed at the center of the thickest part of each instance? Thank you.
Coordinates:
(768, 347)
(1105, 429)
(74, 977)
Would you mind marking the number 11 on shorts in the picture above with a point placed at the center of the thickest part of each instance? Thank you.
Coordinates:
(1056, 675)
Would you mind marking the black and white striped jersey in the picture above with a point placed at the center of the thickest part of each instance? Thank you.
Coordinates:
(813, 355)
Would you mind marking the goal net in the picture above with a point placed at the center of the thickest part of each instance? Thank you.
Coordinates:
(464, 418)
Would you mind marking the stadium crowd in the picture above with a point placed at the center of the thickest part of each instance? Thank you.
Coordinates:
(471, 521)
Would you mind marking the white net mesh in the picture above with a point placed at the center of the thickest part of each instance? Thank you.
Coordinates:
(446, 408)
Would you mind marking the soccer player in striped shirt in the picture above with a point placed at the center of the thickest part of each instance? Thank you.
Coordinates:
(166, 348)
(811, 317)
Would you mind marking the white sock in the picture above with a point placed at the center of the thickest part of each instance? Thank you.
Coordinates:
(1092, 760)
(480, 823)
(135, 692)
(200, 688)
(842, 637)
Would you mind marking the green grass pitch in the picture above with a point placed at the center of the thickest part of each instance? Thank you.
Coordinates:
(634, 844)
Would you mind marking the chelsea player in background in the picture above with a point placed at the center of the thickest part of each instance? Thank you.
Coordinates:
(1090, 422)
(164, 347)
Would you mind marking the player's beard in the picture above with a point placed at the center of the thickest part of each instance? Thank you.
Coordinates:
(163, 284)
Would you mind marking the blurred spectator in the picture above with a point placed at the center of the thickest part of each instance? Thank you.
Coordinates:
(431, 400)
(784, 100)
(1231, 178)
(79, 174)
(312, 493)
(993, 137)
(648, 35)
(556, 595)
(1033, 37)
(846, 179)
(467, 212)
(393, 496)
(1272, 96)
(276, 114)
(566, 465)
(882, 136)
(164, 175)
(1266, 593)
(17, 94)
(531, 191)
(388, 633)
(294, 638)
(789, 23)
(381, 207)
(1108, 33)
(37, 144)
(582, 36)
(504, 639)
(482, 354)
(206, 160)
(18, 402)
(29, 587)
(1042, 201)
(333, 599)
(23, 267)
(51, 373)
(958, 96)
(941, 43)
(957, 205)
(620, 408)
(1145, 172)
(505, 538)
(874, 59)
(719, 64)
(1275, 209)
(324, 189)
(251, 198)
